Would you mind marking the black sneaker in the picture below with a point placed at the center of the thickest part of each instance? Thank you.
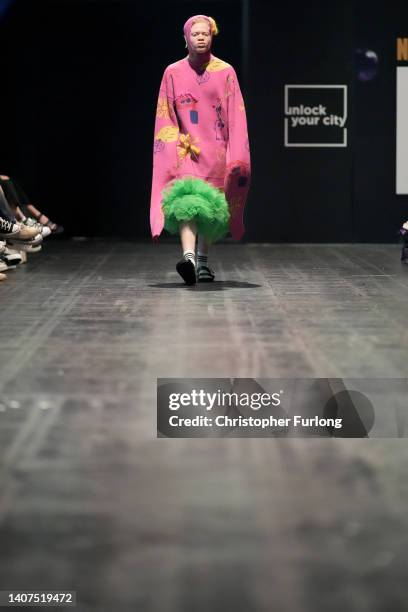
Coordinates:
(3, 264)
(8, 228)
(11, 258)
(187, 270)
(205, 274)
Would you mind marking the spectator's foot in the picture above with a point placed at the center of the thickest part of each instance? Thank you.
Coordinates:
(3, 264)
(26, 233)
(44, 220)
(8, 228)
(16, 251)
(33, 249)
(26, 236)
(55, 228)
(27, 247)
(13, 258)
(44, 230)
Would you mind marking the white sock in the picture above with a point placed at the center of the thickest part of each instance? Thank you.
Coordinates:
(189, 255)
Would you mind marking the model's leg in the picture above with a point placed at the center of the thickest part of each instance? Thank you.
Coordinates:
(188, 233)
(204, 273)
(186, 266)
(202, 251)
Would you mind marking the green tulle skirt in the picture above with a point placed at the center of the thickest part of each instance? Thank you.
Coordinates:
(190, 199)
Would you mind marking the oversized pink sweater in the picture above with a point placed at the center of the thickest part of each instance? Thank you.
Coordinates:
(201, 131)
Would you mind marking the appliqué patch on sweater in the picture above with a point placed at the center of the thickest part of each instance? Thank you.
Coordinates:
(220, 122)
(186, 101)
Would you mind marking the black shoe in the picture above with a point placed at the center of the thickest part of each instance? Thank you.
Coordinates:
(205, 275)
(187, 271)
(8, 227)
(11, 258)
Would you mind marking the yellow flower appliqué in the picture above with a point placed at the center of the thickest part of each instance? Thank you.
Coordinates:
(187, 147)
(229, 86)
(168, 133)
(162, 108)
(216, 65)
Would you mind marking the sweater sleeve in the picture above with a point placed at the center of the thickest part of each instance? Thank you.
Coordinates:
(238, 161)
(166, 134)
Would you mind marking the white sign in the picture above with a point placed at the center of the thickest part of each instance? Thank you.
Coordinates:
(402, 131)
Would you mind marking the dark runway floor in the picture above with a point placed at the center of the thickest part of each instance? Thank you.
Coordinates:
(91, 501)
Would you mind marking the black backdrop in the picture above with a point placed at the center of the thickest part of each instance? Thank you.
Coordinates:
(79, 87)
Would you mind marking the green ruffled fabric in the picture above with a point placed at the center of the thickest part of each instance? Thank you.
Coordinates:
(192, 198)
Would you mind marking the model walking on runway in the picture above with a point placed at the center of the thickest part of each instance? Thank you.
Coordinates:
(201, 159)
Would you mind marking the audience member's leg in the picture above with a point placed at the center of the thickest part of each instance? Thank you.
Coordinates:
(25, 208)
(6, 211)
(9, 192)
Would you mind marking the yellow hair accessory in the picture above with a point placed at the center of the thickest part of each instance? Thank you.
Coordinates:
(214, 27)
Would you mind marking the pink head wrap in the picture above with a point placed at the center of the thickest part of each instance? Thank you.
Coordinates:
(189, 23)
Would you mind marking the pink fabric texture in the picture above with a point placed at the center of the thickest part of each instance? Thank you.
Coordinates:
(201, 131)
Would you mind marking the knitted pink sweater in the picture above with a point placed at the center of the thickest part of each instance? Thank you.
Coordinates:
(201, 131)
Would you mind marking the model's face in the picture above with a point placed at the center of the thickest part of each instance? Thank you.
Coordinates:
(200, 37)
